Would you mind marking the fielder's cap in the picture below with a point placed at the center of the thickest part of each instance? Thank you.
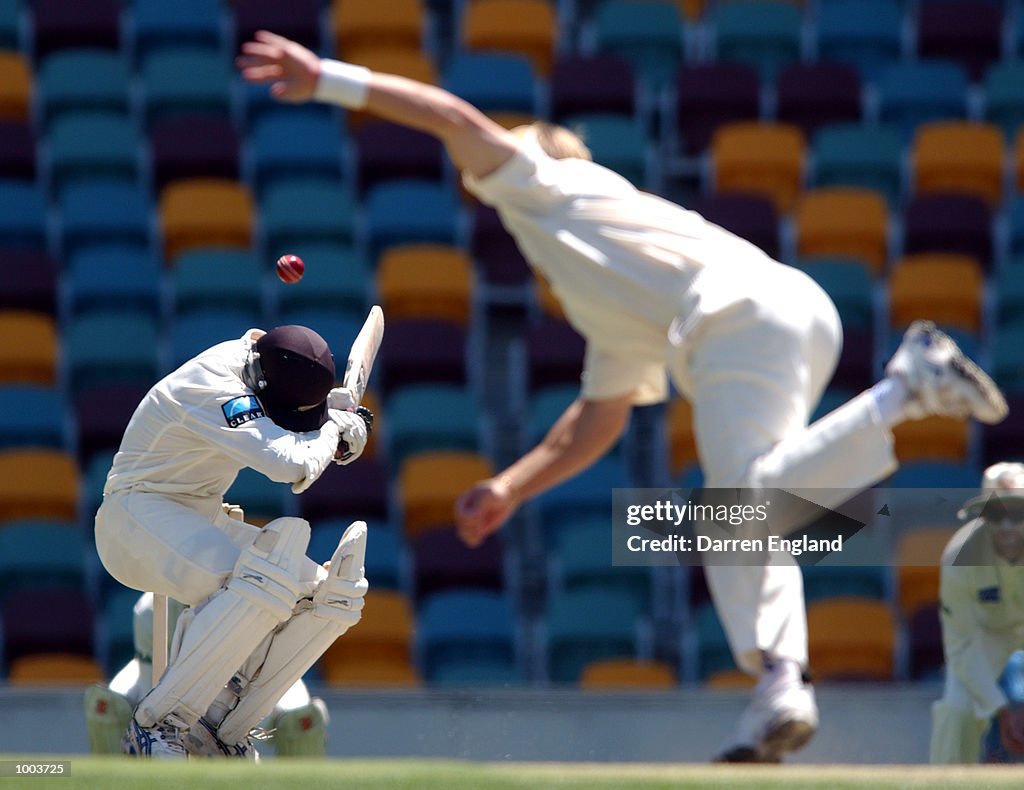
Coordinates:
(298, 368)
(1002, 494)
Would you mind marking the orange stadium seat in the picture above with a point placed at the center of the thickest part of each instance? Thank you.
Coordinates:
(730, 679)
(932, 439)
(426, 281)
(959, 156)
(851, 639)
(403, 61)
(844, 222)
(29, 356)
(761, 158)
(527, 27)
(430, 482)
(205, 212)
(15, 87)
(38, 484)
(369, 23)
(546, 299)
(693, 10)
(682, 443)
(55, 669)
(918, 563)
(627, 673)
(943, 287)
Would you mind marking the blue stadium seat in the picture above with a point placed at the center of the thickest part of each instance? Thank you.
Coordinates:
(833, 398)
(10, 24)
(863, 581)
(617, 142)
(458, 629)
(337, 278)
(94, 477)
(218, 277)
(386, 563)
(848, 283)
(859, 155)
(492, 81)
(1015, 217)
(544, 407)
(1009, 294)
(576, 637)
(32, 416)
(82, 79)
(589, 493)
(111, 348)
(398, 212)
(35, 552)
(338, 329)
(23, 220)
(92, 145)
(195, 332)
(156, 24)
(95, 213)
(185, 79)
(864, 33)
(118, 646)
(17, 150)
(649, 35)
(294, 142)
(914, 92)
(306, 210)
(111, 277)
(583, 561)
(1008, 358)
(453, 423)
(763, 33)
(260, 498)
(1003, 100)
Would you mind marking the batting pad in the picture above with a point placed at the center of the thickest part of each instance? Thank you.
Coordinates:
(225, 631)
(336, 606)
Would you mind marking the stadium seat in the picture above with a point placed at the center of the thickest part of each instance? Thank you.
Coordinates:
(101, 213)
(55, 669)
(492, 80)
(79, 80)
(197, 331)
(23, 220)
(764, 33)
(185, 80)
(389, 152)
(422, 351)
(306, 211)
(859, 155)
(856, 369)
(588, 496)
(428, 484)
(752, 217)
(649, 35)
(863, 33)
(554, 354)
(839, 651)
(848, 222)
(91, 145)
(110, 348)
(68, 626)
(293, 142)
(217, 277)
(101, 415)
(193, 146)
(409, 211)
(442, 562)
(932, 439)
(1003, 102)
(957, 224)
(924, 635)
(28, 281)
(36, 551)
(914, 92)
(337, 278)
(1015, 219)
(621, 674)
(762, 158)
(919, 492)
(205, 212)
(1018, 159)
(709, 95)
(386, 553)
(528, 27)
(968, 34)
(359, 24)
(575, 637)
(15, 87)
(591, 84)
(261, 498)
(682, 443)
(413, 64)
(848, 283)
(945, 288)
(38, 483)
(545, 406)
(379, 651)
(959, 157)
(10, 25)
(813, 95)
(118, 646)
(299, 20)
(732, 679)
(333, 325)
(17, 151)
(31, 356)
(861, 581)
(713, 652)
(33, 416)
(617, 142)
(64, 24)
(156, 25)
(583, 560)
(425, 281)
(918, 560)
(1002, 442)
(1008, 358)
(454, 422)
(113, 277)
(498, 262)
(354, 491)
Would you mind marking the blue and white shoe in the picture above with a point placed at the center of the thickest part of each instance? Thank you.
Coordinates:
(941, 380)
(203, 741)
(163, 741)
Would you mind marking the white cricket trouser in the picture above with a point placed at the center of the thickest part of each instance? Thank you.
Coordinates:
(956, 729)
(754, 372)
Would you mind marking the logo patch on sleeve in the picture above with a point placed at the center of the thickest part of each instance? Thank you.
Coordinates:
(239, 411)
(989, 595)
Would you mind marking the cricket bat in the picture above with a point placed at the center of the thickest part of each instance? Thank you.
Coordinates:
(360, 360)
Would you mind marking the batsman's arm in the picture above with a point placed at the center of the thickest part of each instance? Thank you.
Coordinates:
(475, 143)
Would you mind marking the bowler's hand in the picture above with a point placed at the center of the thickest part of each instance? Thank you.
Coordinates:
(1011, 729)
(483, 509)
(291, 69)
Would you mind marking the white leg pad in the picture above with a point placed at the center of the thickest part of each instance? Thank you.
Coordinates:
(225, 630)
(335, 607)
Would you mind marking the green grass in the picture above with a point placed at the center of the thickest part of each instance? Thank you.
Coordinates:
(114, 773)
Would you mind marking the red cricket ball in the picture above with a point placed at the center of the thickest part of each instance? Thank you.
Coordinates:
(290, 268)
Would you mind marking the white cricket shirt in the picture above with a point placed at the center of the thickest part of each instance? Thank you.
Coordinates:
(201, 424)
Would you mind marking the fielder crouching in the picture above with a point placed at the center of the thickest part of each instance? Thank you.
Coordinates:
(261, 612)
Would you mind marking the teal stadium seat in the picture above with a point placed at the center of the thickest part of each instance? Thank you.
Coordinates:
(38, 552)
(118, 642)
(764, 33)
(713, 651)
(198, 331)
(1008, 358)
(111, 348)
(156, 24)
(82, 79)
(218, 277)
(1003, 100)
(848, 282)
(544, 407)
(1015, 217)
(91, 145)
(575, 637)
(337, 328)
(864, 33)
(99, 213)
(589, 494)
(833, 398)
(23, 220)
(862, 581)
(859, 155)
(492, 81)
(453, 422)
(260, 498)
(914, 92)
(337, 278)
(306, 210)
(94, 477)
(33, 416)
(183, 80)
(409, 211)
(113, 277)
(1009, 293)
(294, 142)
(583, 559)
(649, 35)
(386, 564)
(617, 142)
(11, 15)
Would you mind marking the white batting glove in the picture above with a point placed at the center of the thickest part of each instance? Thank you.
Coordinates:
(352, 431)
(342, 399)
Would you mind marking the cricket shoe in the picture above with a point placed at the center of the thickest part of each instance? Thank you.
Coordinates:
(163, 740)
(781, 718)
(941, 380)
(202, 741)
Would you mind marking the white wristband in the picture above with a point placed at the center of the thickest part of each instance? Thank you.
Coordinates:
(342, 83)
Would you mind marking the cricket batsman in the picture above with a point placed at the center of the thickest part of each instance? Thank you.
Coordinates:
(260, 611)
(297, 727)
(659, 293)
(982, 614)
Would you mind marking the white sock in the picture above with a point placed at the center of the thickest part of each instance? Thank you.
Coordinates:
(891, 398)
